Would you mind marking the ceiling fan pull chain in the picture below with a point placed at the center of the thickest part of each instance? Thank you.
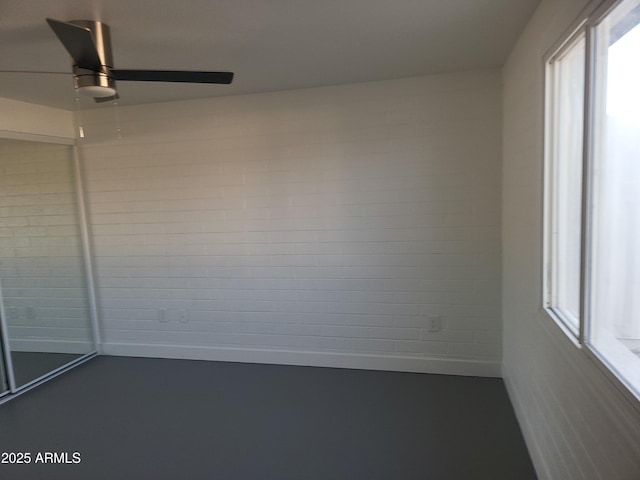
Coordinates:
(77, 116)
(116, 116)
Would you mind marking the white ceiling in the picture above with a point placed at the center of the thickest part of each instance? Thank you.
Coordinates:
(270, 45)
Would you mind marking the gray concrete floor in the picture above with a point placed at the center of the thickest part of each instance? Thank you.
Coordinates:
(131, 418)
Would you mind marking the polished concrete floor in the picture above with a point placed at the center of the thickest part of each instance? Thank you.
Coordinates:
(130, 418)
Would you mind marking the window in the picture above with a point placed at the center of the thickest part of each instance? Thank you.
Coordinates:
(615, 272)
(592, 220)
(564, 182)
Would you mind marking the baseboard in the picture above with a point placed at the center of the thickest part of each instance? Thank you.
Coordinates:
(51, 346)
(317, 359)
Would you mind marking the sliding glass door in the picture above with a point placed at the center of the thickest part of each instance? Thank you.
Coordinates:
(46, 306)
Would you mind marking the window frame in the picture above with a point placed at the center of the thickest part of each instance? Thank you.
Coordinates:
(586, 23)
(549, 209)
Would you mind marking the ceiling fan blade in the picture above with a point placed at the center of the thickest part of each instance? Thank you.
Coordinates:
(173, 76)
(79, 42)
(42, 72)
(106, 99)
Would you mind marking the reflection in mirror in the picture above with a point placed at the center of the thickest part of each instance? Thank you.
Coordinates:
(4, 381)
(41, 259)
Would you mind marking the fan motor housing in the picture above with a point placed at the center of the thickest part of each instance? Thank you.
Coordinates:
(96, 83)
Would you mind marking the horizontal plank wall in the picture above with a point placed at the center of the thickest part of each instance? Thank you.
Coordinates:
(576, 423)
(351, 226)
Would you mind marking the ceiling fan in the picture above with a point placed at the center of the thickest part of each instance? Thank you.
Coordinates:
(89, 44)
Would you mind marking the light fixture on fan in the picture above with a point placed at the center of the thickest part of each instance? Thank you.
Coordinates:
(93, 84)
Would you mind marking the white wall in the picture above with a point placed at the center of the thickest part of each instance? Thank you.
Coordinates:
(321, 226)
(576, 423)
(27, 118)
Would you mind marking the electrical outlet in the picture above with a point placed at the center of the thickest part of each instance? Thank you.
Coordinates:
(162, 315)
(183, 316)
(434, 323)
(13, 313)
(31, 313)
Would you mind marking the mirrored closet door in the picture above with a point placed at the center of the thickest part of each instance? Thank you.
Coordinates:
(46, 314)
(4, 381)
